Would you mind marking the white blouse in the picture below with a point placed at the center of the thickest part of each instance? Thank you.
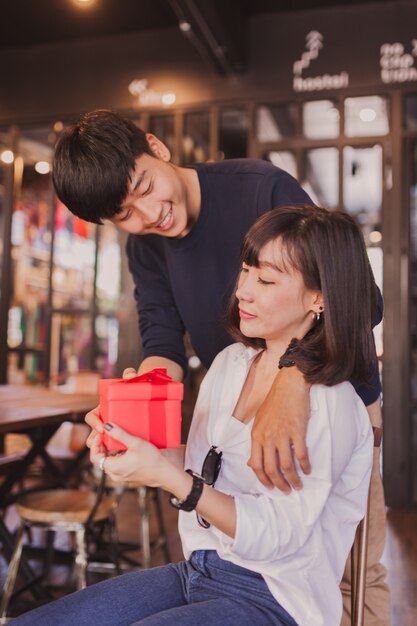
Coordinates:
(299, 542)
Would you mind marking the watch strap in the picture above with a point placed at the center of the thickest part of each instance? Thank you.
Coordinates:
(190, 502)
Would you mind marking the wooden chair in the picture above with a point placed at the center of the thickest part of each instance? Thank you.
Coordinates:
(358, 558)
(73, 511)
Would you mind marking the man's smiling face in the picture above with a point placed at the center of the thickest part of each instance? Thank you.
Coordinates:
(156, 202)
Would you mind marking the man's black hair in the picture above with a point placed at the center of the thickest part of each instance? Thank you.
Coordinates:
(93, 164)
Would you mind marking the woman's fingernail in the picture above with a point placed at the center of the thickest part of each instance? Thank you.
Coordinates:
(108, 426)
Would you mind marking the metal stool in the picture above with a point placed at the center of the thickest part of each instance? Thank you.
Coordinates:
(144, 497)
(69, 510)
(358, 557)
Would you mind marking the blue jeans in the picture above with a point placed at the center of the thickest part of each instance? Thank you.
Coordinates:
(206, 590)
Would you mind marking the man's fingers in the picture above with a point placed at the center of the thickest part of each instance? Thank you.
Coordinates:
(273, 469)
(129, 372)
(288, 466)
(257, 464)
(301, 454)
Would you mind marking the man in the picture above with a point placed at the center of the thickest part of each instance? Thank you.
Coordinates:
(185, 228)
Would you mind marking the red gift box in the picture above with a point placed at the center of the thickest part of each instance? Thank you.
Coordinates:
(148, 406)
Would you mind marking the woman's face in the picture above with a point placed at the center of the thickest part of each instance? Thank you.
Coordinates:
(274, 303)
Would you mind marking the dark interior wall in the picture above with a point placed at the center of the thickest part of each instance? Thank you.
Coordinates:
(61, 80)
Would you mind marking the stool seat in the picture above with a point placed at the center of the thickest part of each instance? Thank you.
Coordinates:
(63, 506)
(72, 511)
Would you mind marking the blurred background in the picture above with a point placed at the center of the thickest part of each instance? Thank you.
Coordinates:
(325, 89)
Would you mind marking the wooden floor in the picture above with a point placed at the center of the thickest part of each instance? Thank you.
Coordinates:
(400, 555)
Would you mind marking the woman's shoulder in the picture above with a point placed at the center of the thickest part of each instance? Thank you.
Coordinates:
(339, 402)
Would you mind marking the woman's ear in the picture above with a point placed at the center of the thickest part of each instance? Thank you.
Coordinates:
(159, 149)
(318, 302)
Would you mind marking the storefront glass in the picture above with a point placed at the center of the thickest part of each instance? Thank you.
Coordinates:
(320, 119)
(233, 133)
(275, 122)
(196, 138)
(366, 116)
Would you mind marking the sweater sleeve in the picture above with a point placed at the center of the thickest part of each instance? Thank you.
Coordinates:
(160, 325)
(272, 525)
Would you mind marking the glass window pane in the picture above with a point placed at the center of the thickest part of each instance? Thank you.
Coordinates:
(362, 196)
(322, 176)
(233, 133)
(275, 122)
(366, 116)
(25, 367)
(30, 250)
(196, 139)
(362, 186)
(71, 343)
(410, 118)
(74, 258)
(108, 269)
(107, 333)
(283, 159)
(164, 128)
(320, 119)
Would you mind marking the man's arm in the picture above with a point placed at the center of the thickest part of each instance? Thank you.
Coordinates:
(280, 429)
(173, 369)
(279, 432)
(160, 325)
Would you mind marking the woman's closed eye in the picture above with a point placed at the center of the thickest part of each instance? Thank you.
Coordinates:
(265, 282)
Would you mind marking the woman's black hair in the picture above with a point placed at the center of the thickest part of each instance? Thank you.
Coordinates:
(93, 164)
(328, 249)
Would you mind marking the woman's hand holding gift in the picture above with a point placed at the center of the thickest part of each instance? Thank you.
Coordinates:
(142, 462)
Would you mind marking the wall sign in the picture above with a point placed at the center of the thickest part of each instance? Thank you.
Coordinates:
(314, 43)
(398, 66)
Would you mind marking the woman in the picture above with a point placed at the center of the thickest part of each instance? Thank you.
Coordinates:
(255, 555)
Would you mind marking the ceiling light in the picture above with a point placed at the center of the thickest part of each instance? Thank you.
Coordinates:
(83, 3)
(375, 236)
(7, 156)
(42, 167)
(367, 115)
(168, 98)
(184, 26)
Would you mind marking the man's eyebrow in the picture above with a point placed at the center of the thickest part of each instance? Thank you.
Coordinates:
(139, 180)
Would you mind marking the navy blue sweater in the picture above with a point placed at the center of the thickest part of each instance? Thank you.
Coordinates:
(185, 284)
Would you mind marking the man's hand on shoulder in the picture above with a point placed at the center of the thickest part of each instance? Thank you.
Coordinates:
(279, 432)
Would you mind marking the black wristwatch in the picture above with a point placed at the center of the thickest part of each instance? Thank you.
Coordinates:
(191, 501)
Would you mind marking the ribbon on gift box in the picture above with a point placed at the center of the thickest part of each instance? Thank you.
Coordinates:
(157, 376)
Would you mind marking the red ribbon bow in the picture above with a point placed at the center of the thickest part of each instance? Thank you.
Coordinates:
(158, 376)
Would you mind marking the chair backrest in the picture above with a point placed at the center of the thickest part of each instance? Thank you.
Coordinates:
(358, 557)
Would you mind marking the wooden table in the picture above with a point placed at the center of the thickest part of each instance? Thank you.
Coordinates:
(38, 412)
